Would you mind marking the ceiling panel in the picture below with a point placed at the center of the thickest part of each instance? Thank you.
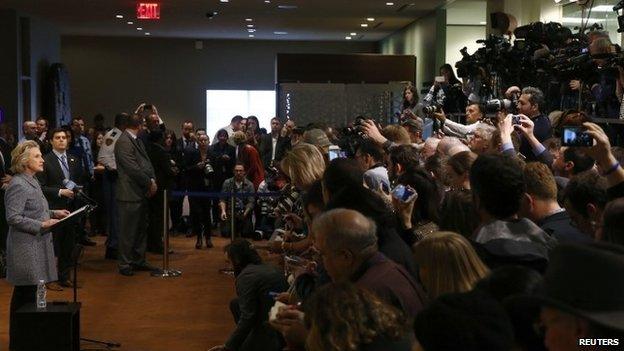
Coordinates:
(308, 20)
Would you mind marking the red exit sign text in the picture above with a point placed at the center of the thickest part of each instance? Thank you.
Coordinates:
(148, 11)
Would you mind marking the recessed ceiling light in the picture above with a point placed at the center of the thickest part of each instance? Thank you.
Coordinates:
(353, 34)
(348, 38)
(251, 30)
(267, 1)
(118, 16)
(139, 28)
(389, 4)
(249, 19)
(224, 0)
(280, 33)
(370, 19)
(364, 25)
(250, 26)
(251, 35)
(130, 22)
(148, 33)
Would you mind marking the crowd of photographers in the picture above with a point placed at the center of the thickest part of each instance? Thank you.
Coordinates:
(495, 230)
(501, 233)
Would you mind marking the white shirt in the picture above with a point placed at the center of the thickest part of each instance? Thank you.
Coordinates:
(274, 146)
(106, 156)
(461, 130)
(131, 134)
(59, 156)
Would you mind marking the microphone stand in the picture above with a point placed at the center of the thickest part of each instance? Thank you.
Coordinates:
(76, 253)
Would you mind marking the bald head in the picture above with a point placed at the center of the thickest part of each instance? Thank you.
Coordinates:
(30, 129)
(346, 230)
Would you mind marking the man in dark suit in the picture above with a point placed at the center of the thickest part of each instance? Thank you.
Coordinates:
(136, 183)
(165, 176)
(273, 145)
(62, 174)
(185, 142)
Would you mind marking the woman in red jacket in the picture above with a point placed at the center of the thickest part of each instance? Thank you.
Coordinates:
(249, 156)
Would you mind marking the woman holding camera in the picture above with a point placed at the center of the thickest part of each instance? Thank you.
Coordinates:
(446, 92)
(200, 173)
(30, 252)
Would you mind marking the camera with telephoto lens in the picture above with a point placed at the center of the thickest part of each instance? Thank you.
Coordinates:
(430, 110)
(497, 105)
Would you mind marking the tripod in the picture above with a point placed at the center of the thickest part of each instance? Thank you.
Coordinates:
(75, 257)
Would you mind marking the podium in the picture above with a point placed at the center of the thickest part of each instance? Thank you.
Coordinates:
(56, 327)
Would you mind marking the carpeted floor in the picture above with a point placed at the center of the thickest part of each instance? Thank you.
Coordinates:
(144, 313)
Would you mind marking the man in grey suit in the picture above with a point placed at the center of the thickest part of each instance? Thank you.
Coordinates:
(136, 183)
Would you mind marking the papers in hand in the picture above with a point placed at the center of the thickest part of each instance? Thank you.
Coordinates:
(76, 214)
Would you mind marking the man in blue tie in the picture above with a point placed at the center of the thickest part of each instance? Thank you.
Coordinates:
(62, 175)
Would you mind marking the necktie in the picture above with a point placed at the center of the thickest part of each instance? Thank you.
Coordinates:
(64, 166)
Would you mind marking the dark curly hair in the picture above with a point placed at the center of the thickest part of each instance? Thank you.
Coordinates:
(343, 317)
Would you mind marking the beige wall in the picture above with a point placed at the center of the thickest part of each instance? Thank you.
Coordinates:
(458, 37)
(417, 39)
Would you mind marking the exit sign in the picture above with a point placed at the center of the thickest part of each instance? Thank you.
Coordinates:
(146, 10)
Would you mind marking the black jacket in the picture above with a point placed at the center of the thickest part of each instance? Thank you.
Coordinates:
(253, 285)
(559, 226)
(161, 162)
(266, 149)
(223, 169)
(197, 178)
(52, 177)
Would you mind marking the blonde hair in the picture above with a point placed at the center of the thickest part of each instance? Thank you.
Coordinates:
(304, 164)
(451, 264)
(21, 154)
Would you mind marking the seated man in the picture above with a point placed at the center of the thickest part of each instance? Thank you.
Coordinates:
(347, 243)
(503, 238)
(243, 206)
(540, 205)
(585, 307)
(572, 161)
(254, 282)
(370, 156)
(585, 198)
(414, 128)
(471, 321)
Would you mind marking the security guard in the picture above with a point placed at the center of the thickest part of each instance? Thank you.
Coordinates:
(106, 157)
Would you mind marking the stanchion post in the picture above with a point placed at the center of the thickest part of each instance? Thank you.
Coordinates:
(232, 214)
(165, 232)
(166, 272)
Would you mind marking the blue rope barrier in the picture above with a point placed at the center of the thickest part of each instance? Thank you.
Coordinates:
(219, 195)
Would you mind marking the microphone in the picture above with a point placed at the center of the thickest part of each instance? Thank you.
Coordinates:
(77, 189)
(69, 184)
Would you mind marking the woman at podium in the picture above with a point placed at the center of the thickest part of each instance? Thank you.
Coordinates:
(30, 252)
